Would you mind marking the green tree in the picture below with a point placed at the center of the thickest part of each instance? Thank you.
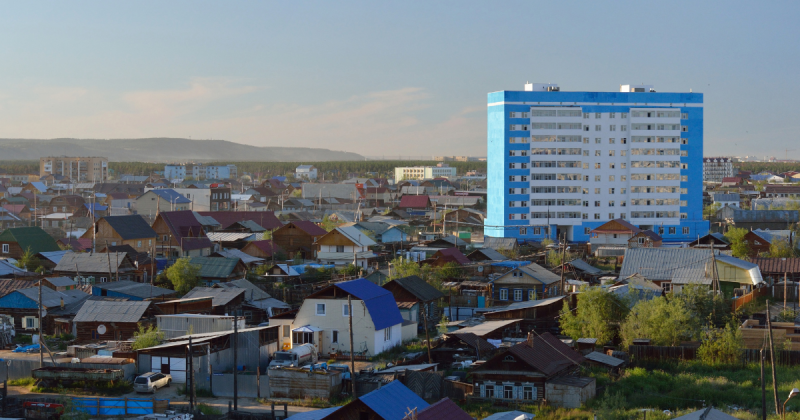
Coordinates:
(780, 248)
(442, 328)
(329, 224)
(183, 275)
(597, 315)
(710, 210)
(721, 346)
(665, 322)
(739, 247)
(28, 261)
(147, 337)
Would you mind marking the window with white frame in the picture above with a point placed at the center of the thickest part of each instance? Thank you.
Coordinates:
(5, 249)
(345, 310)
(597, 115)
(685, 230)
(598, 127)
(523, 231)
(587, 230)
(518, 295)
(387, 334)
(321, 309)
(508, 392)
(528, 392)
(503, 294)
(489, 391)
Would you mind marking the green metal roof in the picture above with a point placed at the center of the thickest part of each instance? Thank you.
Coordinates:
(31, 237)
(215, 267)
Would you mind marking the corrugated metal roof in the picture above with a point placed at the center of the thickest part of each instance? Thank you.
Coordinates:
(91, 263)
(355, 235)
(253, 292)
(132, 288)
(392, 401)
(53, 256)
(585, 267)
(235, 253)
(380, 302)
(528, 304)
(60, 281)
(489, 253)
(215, 267)
(131, 226)
(604, 359)
(659, 264)
(171, 196)
(474, 341)
(548, 354)
(758, 216)
(778, 265)
(452, 255)
(220, 296)
(418, 287)
(130, 311)
(51, 298)
(228, 236)
(487, 327)
(540, 273)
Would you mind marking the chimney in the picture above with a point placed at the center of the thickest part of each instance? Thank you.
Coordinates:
(530, 339)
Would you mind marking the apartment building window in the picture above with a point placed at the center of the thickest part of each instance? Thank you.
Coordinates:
(611, 203)
(623, 178)
(624, 165)
(597, 153)
(611, 191)
(623, 115)
(586, 115)
(585, 128)
(684, 141)
(684, 116)
(598, 165)
(587, 230)
(597, 178)
(524, 178)
(623, 190)
(537, 231)
(611, 178)
(623, 153)
(585, 166)
(684, 215)
(598, 140)
(623, 140)
(672, 231)
(511, 203)
(585, 216)
(597, 190)
(523, 231)
(598, 127)
(684, 128)
(611, 141)
(597, 204)
(586, 191)
(611, 165)
(586, 153)
(612, 128)
(611, 216)
(611, 153)
(510, 217)
(622, 216)
(686, 231)
(597, 115)
(623, 128)
(586, 140)
(597, 216)
(512, 165)
(661, 230)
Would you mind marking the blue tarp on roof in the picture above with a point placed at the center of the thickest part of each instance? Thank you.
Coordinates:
(392, 401)
(511, 264)
(302, 268)
(380, 303)
(171, 196)
(280, 178)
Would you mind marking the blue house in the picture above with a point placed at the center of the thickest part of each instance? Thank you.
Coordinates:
(23, 304)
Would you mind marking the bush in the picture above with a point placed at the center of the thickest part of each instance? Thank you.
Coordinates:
(21, 382)
(208, 410)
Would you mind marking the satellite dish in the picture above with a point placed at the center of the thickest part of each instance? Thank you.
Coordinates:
(44, 312)
(480, 269)
(101, 329)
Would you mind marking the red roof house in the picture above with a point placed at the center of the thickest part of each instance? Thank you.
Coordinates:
(419, 202)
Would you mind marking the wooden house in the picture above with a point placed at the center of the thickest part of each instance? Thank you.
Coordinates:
(111, 320)
(23, 304)
(417, 300)
(298, 237)
(181, 234)
(467, 345)
(219, 269)
(519, 374)
(712, 240)
(66, 204)
(201, 305)
(224, 301)
(540, 315)
(264, 249)
(130, 230)
(59, 284)
(103, 267)
(645, 239)
(525, 283)
(14, 242)
(345, 245)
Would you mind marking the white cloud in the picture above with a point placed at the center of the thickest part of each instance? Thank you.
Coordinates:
(387, 122)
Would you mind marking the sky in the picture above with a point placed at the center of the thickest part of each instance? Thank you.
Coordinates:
(385, 78)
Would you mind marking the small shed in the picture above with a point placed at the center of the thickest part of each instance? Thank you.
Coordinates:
(103, 320)
(570, 391)
(302, 383)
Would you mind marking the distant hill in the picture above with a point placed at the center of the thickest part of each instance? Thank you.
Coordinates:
(165, 150)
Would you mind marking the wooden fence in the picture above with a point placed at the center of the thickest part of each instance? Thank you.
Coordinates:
(650, 353)
(744, 300)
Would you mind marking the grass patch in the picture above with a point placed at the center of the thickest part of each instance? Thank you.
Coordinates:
(200, 392)
(208, 410)
(396, 352)
(108, 389)
(21, 382)
(692, 385)
(310, 402)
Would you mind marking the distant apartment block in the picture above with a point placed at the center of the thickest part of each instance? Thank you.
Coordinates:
(78, 169)
(458, 159)
(305, 172)
(201, 171)
(441, 170)
(717, 168)
(564, 163)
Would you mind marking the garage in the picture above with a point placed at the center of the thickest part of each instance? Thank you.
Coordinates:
(175, 366)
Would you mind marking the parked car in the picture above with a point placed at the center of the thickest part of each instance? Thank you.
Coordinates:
(151, 382)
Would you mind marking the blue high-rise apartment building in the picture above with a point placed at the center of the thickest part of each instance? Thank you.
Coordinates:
(563, 163)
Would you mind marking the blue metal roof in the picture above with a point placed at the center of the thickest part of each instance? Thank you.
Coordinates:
(392, 401)
(171, 196)
(380, 303)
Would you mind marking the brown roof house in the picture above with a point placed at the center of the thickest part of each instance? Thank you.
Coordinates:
(645, 239)
(611, 238)
(417, 300)
(542, 368)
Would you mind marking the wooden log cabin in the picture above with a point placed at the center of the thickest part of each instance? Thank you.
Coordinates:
(104, 320)
(298, 237)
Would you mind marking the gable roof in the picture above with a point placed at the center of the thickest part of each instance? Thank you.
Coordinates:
(132, 288)
(778, 265)
(253, 292)
(104, 311)
(355, 235)
(130, 226)
(444, 409)
(708, 413)
(616, 226)
(215, 267)
(452, 255)
(582, 265)
(414, 202)
(660, 264)
(265, 219)
(489, 253)
(220, 296)
(380, 303)
(235, 253)
(548, 354)
(30, 237)
(392, 401)
(60, 281)
(474, 341)
(308, 227)
(170, 196)
(418, 287)
(51, 298)
(266, 246)
(539, 273)
(92, 263)
(77, 244)
(499, 243)
(183, 224)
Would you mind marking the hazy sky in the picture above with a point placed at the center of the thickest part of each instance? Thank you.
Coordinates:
(403, 77)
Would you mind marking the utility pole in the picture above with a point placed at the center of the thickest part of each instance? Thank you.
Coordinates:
(190, 383)
(785, 291)
(352, 349)
(41, 329)
(763, 388)
(772, 362)
(563, 257)
(427, 335)
(235, 360)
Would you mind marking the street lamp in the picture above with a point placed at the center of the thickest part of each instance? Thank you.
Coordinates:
(792, 394)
